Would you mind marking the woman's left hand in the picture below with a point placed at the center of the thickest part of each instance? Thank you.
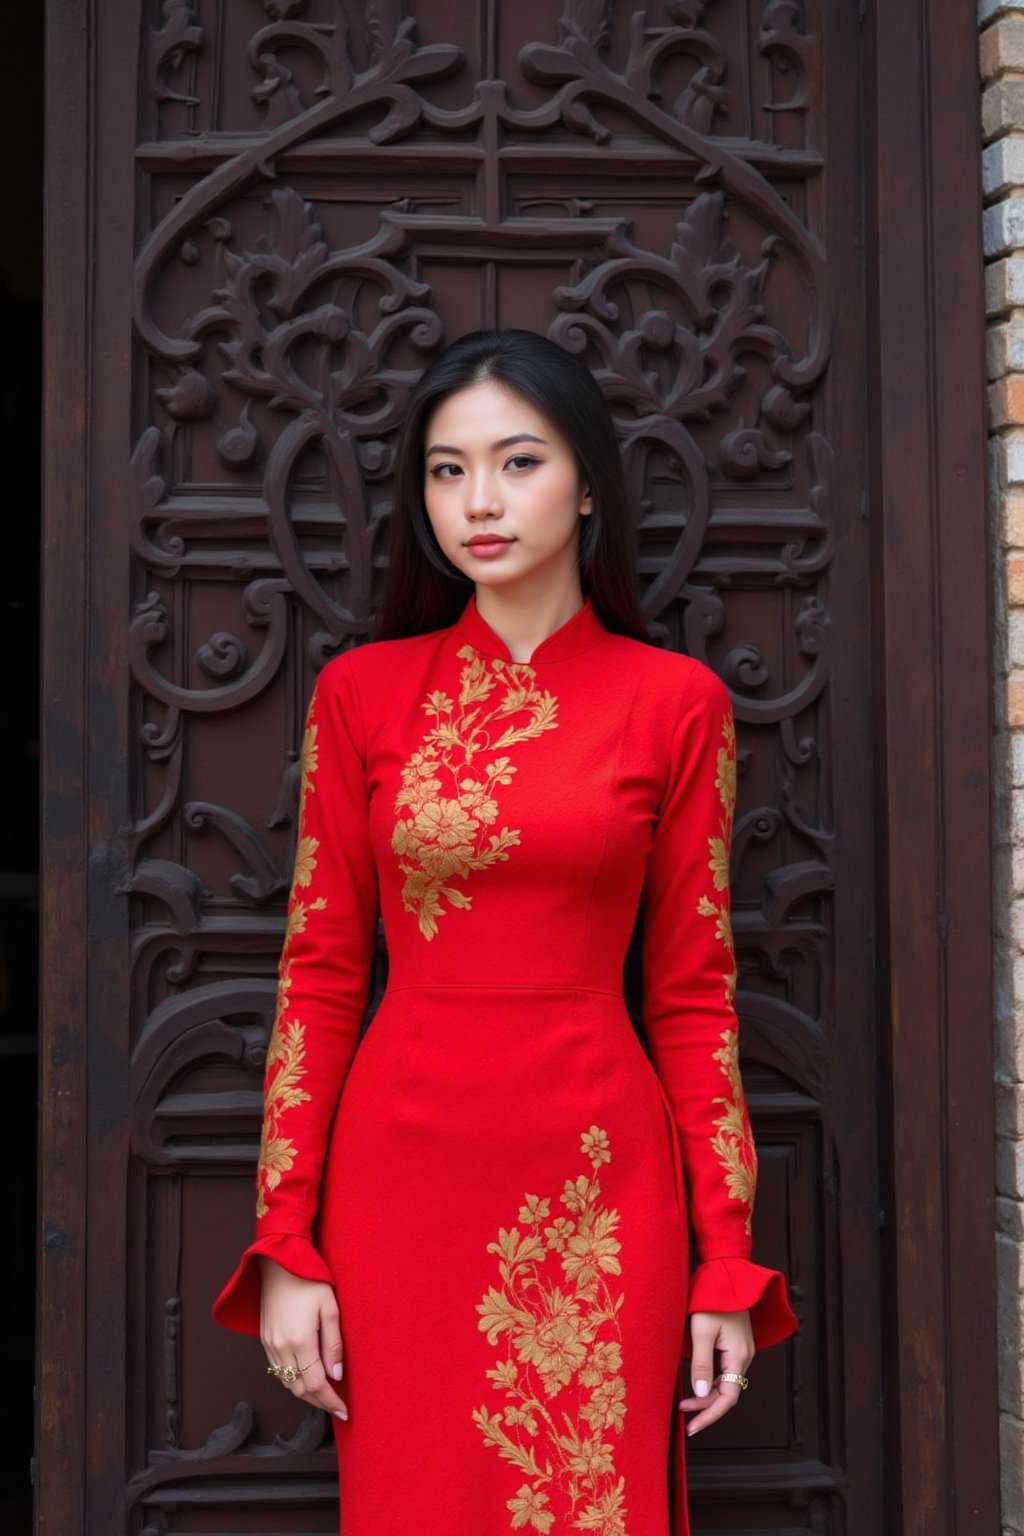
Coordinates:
(731, 1334)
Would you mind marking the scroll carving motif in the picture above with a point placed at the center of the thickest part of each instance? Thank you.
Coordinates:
(295, 276)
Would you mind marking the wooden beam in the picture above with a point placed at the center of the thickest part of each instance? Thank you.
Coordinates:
(60, 1368)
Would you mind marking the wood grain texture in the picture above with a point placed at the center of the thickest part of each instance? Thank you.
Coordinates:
(62, 1268)
(934, 674)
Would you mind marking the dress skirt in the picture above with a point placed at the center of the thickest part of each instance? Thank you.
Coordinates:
(502, 1213)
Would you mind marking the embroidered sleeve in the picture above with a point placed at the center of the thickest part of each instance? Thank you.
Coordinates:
(689, 989)
(324, 970)
(323, 986)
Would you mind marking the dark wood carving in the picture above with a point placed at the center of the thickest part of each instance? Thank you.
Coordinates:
(333, 192)
(299, 205)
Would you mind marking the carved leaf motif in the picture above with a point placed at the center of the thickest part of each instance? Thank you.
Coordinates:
(383, 19)
(589, 21)
(297, 252)
(169, 47)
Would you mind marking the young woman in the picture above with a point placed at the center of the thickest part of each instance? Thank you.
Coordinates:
(473, 1232)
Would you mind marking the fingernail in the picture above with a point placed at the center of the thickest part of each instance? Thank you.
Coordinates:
(691, 1429)
(336, 1372)
(341, 1413)
(701, 1388)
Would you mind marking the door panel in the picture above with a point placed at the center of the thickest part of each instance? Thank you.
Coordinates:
(322, 194)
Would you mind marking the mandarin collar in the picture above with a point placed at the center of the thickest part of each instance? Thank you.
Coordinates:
(578, 633)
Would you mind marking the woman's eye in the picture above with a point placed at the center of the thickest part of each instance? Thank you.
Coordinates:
(440, 471)
(521, 461)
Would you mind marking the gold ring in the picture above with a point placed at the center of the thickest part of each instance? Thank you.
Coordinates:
(289, 1374)
(274, 1370)
(304, 1368)
(741, 1381)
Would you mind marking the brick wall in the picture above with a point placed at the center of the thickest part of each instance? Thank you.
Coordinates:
(1002, 116)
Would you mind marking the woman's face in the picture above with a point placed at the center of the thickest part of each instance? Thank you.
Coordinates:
(502, 490)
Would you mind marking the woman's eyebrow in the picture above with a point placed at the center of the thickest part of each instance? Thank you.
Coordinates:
(505, 442)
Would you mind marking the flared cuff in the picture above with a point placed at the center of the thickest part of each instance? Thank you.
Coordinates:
(238, 1305)
(734, 1285)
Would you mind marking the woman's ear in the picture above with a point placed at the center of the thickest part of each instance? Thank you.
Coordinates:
(586, 500)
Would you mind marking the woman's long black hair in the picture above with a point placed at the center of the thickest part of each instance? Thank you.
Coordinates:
(423, 590)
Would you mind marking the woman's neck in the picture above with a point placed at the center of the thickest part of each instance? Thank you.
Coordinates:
(524, 619)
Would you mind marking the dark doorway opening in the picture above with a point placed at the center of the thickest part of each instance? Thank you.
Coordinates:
(21, 263)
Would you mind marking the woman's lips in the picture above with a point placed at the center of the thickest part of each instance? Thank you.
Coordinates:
(487, 548)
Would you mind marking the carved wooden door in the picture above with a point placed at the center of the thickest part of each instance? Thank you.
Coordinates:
(320, 194)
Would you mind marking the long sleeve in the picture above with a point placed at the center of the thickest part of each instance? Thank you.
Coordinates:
(323, 985)
(689, 1017)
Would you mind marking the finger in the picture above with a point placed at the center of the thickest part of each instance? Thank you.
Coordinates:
(313, 1387)
(306, 1351)
(330, 1343)
(702, 1366)
(724, 1398)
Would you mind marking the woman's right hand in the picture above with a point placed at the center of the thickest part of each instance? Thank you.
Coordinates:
(300, 1325)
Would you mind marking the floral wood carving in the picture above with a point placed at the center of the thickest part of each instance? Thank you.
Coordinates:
(311, 181)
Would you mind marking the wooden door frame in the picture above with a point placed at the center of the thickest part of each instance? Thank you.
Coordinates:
(933, 680)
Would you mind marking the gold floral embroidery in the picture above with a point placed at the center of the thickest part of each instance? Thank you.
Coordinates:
(286, 1052)
(733, 1142)
(277, 1154)
(305, 861)
(309, 759)
(562, 1341)
(447, 800)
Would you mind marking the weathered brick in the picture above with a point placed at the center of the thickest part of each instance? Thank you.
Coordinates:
(1015, 714)
(1009, 1278)
(1006, 401)
(1015, 648)
(1010, 1370)
(1010, 1167)
(1013, 519)
(1009, 1107)
(1010, 1037)
(1007, 458)
(1004, 346)
(1010, 1220)
(1002, 165)
(1003, 224)
(1002, 106)
(1011, 1382)
(988, 10)
(1011, 1467)
(1014, 567)
(1017, 759)
(1002, 46)
(1004, 285)
(1009, 1100)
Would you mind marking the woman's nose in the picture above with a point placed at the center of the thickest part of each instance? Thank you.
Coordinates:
(483, 494)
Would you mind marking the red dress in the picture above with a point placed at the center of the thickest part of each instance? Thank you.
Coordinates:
(497, 1183)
